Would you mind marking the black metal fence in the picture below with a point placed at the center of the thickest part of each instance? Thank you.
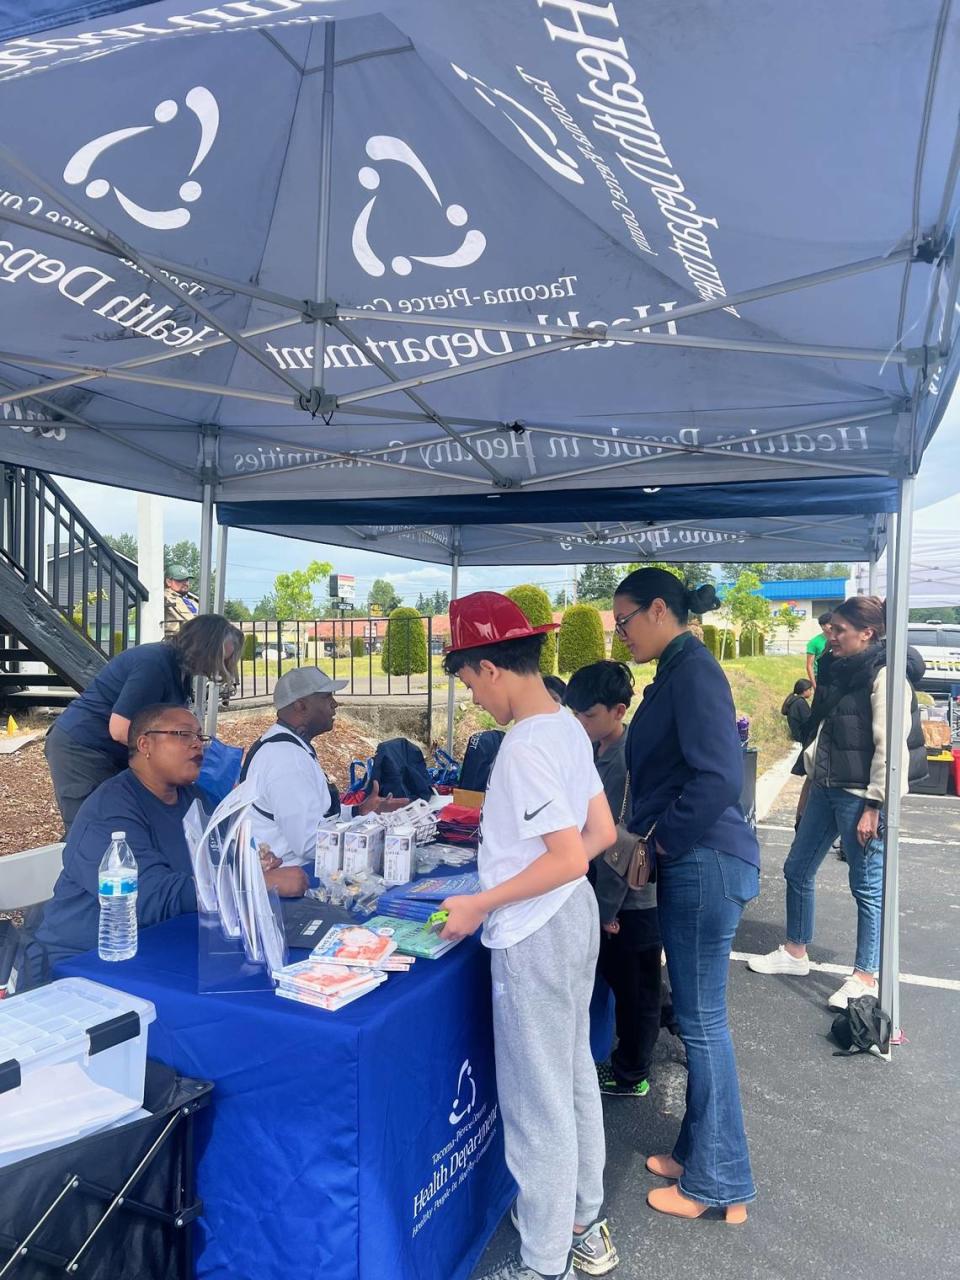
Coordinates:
(350, 648)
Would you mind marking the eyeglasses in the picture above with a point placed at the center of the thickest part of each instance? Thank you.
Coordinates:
(620, 626)
(185, 735)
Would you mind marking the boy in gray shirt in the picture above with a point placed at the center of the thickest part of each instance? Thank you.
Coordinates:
(630, 945)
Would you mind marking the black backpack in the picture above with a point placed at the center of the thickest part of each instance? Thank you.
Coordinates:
(862, 1026)
(478, 759)
(401, 771)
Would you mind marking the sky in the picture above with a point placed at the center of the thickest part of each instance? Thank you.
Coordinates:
(254, 559)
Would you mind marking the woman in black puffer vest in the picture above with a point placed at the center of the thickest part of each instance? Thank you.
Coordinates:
(845, 756)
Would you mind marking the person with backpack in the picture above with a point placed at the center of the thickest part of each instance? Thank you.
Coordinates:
(630, 945)
(796, 708)
(544, 818)
(293, 794)
(845, 760)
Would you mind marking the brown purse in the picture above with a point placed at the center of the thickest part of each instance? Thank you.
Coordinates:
(630, 856)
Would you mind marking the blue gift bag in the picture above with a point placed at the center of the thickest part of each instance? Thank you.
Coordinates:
(221, 769)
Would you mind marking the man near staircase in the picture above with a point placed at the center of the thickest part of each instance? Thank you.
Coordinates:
(179, 606)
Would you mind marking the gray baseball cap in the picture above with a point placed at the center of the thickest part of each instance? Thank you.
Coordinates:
(301, 682)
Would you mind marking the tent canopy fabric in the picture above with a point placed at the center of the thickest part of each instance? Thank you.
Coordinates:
(226, 241)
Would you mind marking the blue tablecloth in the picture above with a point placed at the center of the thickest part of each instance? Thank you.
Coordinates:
(354, 1145)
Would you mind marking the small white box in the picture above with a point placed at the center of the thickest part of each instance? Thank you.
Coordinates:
(399, 855)
(363, 849)
(329, 854)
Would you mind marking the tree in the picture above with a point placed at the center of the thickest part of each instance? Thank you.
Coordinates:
(809, 569)
(236, 611)
(441, 601)
(732, 572)
(580, 640)
(125, 544)
(383, 594)
(560, 600)
(598, 581)
(746, 607)
(186, 553)
(691, 571)
(266, 607)
(405, 647)
(534, 604)
(293, 591)
(786, 618)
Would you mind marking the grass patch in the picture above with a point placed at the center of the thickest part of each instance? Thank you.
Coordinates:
(759, 686)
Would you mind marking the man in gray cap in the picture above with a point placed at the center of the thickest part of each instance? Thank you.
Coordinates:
(179, 606)
(293, 793)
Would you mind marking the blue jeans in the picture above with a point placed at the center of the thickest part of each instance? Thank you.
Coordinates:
(830, 812)
(701, 896)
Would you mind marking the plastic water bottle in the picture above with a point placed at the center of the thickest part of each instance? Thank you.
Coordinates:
(118, 900)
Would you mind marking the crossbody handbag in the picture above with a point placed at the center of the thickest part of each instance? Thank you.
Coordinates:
(631, 856)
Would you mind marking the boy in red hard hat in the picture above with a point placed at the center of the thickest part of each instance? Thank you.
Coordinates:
(545, 816)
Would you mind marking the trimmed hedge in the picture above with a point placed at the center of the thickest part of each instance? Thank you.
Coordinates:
(405, 646)
(249, 651)
(619, 651)
(358, 646)
(534, 604)
(580, 639)
(752, 644)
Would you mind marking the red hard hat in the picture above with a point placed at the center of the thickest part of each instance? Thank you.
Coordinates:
(487, 617)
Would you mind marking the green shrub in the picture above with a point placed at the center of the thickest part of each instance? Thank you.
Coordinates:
(752, 643)
(726, 643)
(711, 639)
(619, 651)
(580, 639)
(535, 605)
(249, 647)
(405, 647)
(358, 646)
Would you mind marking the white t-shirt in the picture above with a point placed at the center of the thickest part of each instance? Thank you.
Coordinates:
(292, 787)
(543, 780)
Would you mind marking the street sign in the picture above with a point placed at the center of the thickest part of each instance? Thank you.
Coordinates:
(343, 586)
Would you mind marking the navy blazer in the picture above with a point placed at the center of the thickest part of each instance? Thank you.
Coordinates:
(685, 760)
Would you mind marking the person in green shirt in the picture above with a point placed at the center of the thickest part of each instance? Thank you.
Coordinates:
(816, 646)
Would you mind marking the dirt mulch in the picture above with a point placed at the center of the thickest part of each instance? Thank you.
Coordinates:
(28, 812)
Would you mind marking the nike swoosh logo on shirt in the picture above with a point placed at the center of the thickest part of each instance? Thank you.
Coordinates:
(529, 817)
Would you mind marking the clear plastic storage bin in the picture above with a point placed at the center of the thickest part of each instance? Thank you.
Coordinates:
(72, 1061)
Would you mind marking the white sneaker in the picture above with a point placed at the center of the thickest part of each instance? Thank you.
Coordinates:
(780, 961)
(852, 989)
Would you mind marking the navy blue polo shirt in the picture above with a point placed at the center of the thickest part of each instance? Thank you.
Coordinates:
(134, 679)
(165, 884)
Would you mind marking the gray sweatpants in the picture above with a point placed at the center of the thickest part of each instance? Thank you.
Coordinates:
(546, 1079)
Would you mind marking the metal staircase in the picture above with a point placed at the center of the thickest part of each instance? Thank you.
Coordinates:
(67, 599)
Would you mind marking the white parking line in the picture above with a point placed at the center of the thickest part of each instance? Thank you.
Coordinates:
(913, 979)
(944, 844)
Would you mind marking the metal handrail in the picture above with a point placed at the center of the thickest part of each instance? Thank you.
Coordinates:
(41, 526)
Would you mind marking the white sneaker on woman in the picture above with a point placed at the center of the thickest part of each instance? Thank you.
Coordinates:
(780, 961)
(852, 989)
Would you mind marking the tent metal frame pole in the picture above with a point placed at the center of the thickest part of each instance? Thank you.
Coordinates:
(185, 270)
(451, 680)
(324, 194)
(202, 690)
(137, 258)
(586, 337)
(396, 384)
(140, 362)
(872, 576)
(220, 592)
(793, 285)
(898, 602)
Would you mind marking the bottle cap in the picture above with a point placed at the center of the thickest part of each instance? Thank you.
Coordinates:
(118, 835)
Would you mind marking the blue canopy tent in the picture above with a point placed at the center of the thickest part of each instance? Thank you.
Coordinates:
(415, 256)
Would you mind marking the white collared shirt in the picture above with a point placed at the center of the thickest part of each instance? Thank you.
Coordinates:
(290, 786)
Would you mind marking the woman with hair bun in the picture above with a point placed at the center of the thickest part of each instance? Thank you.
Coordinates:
(685, 763)
(845, 761)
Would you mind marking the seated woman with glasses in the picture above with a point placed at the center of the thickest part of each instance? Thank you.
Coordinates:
(147, 801)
